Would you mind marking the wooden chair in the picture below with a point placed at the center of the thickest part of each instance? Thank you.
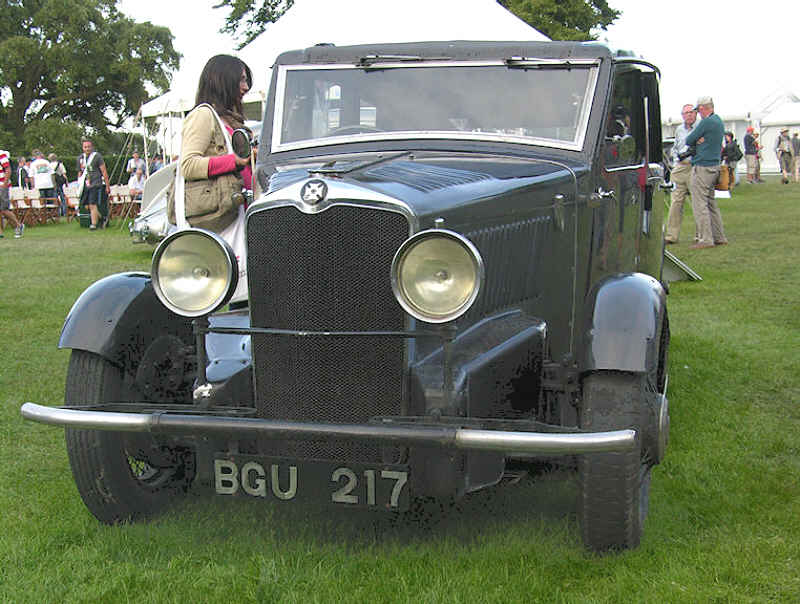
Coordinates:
(21, 206)
(73, 201)
(45, 208)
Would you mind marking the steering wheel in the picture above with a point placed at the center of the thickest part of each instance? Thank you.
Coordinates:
(354, 129)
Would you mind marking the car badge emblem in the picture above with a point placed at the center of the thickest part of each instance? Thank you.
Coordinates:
(314, 191)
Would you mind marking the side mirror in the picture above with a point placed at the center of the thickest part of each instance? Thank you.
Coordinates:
(241, 143)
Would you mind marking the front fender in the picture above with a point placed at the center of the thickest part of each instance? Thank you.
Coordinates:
(118, 317)
(622, 325)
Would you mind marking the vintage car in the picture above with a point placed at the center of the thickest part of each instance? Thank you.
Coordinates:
(151, 224)
(454, 270)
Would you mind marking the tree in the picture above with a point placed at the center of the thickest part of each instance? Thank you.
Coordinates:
(80, 62)
(564, 19)
(557, 19)
(269, 11)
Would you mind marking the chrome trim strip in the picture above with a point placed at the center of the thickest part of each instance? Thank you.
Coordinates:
(339, 193)
(575, 145)
(98, 420)
(531, 443)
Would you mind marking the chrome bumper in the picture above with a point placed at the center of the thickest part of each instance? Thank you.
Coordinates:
(530, 443)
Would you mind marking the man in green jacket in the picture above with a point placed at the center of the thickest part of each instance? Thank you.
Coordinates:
(707, 136)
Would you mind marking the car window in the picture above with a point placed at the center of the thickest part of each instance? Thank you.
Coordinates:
(443, 101)
(625, 140)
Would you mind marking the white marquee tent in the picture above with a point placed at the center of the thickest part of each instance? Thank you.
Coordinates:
(344, 22)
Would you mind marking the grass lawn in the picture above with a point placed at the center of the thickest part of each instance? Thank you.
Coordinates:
(724, 522)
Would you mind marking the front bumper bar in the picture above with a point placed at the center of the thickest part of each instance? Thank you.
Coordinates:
(444, 436)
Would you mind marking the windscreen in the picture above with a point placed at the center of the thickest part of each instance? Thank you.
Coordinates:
(530, 105)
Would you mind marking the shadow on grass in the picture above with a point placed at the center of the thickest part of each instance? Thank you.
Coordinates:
(542, 505)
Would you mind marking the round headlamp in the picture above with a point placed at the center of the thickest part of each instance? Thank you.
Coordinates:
(194, 272)
(436, 275)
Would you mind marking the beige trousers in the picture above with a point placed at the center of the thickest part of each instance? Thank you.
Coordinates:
(681, 176)
(707, 217)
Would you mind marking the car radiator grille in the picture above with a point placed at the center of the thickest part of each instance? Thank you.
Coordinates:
(328, 271)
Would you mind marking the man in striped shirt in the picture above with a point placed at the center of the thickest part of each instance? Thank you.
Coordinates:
(5, 204)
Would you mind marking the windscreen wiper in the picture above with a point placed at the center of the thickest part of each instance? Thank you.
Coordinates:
(535, 63)
(371, 60)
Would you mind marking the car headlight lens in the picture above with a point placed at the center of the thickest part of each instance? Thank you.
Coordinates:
(194, 272)
(436, 275)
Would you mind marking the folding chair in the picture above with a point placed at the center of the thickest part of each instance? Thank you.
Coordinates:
(20, 205)
(46, 208)
(73, 201)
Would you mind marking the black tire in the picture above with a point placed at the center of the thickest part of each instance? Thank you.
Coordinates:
(614, 487)
(119, 477)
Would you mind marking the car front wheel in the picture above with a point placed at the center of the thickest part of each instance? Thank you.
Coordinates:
(120, 477)
(614, 487)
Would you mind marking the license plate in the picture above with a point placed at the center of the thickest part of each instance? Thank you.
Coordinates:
(354, 485)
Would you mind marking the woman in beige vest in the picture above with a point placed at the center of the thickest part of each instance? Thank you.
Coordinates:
(211, 172)
(210, 178)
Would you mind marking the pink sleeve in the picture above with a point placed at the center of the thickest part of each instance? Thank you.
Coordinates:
(221, 164)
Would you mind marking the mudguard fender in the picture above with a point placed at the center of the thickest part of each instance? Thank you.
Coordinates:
(118, 317)
(623, 322)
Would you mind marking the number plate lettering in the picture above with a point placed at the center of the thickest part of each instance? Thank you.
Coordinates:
(288, 480)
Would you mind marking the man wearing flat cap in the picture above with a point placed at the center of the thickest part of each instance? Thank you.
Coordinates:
(785, 153)
(707, 136)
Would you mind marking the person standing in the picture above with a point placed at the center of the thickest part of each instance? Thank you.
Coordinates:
(731, 154)
(93, 178)
(681, 174)
(23, 178)
(750, 155)
(60, 180)
(5, 202)
(796, 151)
(43, 176)
(156, 164)
(759, 158)
(134, 163)
(783, 149)
(208, 162)
(707, 136)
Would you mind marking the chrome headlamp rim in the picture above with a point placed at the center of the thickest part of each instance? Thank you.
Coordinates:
(232, 270)
(398, 290)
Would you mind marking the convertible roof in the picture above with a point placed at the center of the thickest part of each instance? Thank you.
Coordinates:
(455, 50)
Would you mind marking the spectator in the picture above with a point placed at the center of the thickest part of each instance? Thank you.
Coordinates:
(731, 154)
(23, 177)
(750, 155)
(136, 162)
(42, 174)
(93, 182)
(156, 164)
(136, 184)
(796, 150)
(759, 158)
(60, 180)
(785, 153)
(707, 136)
(5, 202)
(681, 174)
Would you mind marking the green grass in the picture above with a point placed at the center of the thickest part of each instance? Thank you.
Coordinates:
(724, 522)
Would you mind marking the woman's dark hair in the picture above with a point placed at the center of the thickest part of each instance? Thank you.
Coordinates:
(219, 85)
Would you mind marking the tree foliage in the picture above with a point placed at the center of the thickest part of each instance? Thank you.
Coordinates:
(256, 16)
(78, 63)
(564, 19)
(557, 19)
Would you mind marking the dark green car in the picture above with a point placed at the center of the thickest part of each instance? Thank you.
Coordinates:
(454, 274)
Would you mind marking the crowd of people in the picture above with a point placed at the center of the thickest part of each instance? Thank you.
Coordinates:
(49, 177)
(703, 156)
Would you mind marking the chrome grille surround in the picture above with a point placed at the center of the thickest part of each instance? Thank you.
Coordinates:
(326, 268)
